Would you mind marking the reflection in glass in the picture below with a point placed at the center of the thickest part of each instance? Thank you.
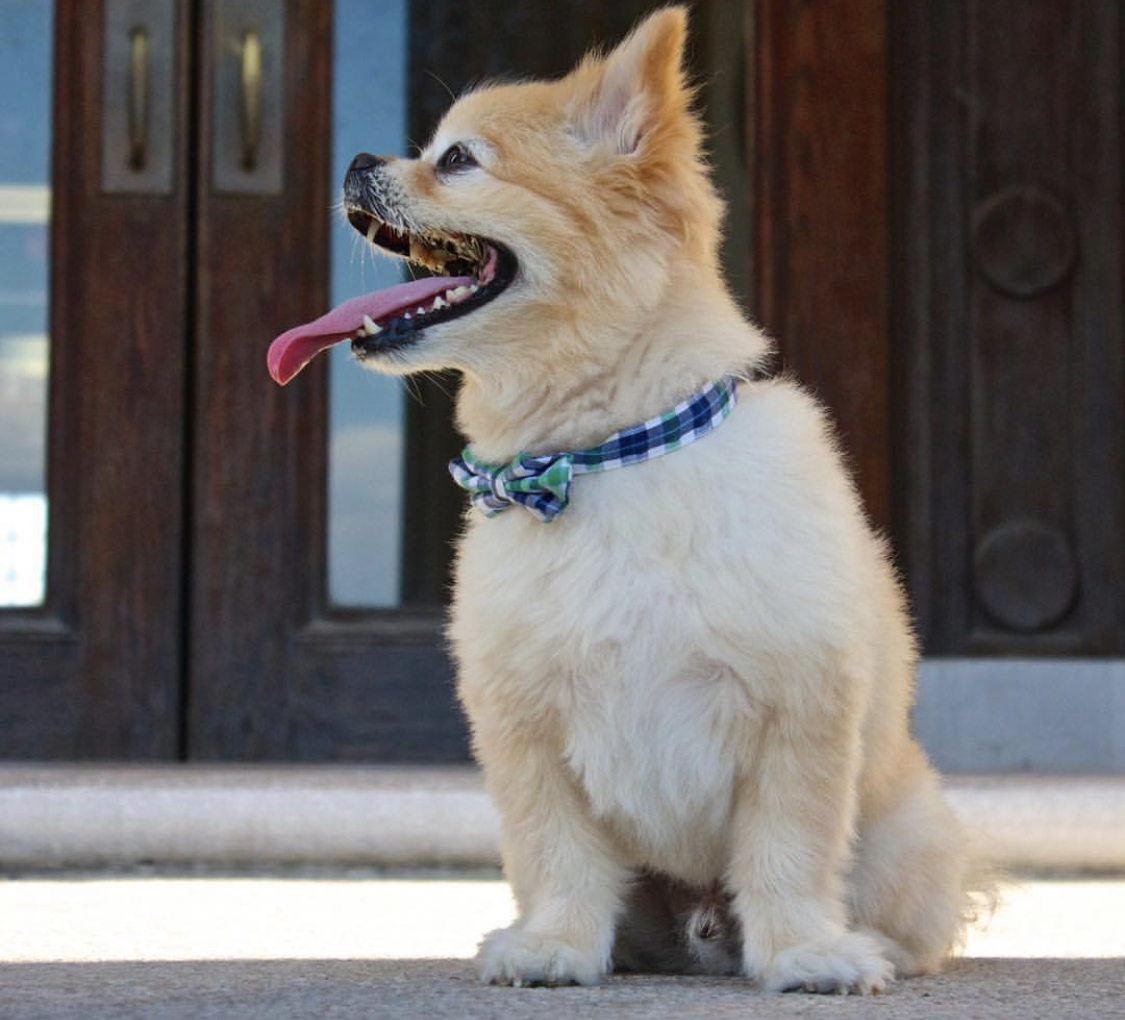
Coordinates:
(365, 465)
(25, 131)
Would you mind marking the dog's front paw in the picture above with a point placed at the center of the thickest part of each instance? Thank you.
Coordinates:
(845, 963)
(514, 956)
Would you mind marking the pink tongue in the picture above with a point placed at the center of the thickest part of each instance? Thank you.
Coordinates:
(296, 347)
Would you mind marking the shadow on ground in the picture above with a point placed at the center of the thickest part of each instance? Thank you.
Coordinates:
(436, 989)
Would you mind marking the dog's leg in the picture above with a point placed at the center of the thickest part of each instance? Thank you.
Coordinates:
(912, 878)
(567, 878)
(791, 833)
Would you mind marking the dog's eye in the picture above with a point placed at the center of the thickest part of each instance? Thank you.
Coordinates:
(456, 158)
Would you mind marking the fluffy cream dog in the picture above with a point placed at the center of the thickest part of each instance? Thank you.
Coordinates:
(703, 668)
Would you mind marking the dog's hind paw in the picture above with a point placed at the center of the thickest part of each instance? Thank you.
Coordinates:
(846, 963)
(513, 956)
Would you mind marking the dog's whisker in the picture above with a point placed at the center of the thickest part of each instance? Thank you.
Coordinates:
(410, 384)
(443, 84)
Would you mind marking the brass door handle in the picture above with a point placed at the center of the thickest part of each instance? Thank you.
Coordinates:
(250, 107)
(141, 114)
(246, 53)
(138, 97)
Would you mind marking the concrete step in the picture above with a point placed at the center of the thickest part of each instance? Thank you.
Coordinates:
(95, 816)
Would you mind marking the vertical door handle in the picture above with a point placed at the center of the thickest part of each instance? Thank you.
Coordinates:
(245, 52)
(138, 97)
(250, 108)
(139, 119)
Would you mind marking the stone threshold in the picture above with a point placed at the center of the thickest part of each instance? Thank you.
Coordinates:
(270, 816)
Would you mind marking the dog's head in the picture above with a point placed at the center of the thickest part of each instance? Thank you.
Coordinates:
(550, 212)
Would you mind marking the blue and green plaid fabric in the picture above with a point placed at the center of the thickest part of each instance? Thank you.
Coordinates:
(541, 484)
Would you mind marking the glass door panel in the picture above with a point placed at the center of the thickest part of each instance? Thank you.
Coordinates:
(365, 426)
(25, 144)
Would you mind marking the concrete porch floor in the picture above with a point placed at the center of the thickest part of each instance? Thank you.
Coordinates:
(361, 944)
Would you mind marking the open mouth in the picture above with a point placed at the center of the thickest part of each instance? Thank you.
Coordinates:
(472, 271)
(487, 265)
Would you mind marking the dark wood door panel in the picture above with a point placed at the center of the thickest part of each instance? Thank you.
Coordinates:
(821, 226)
(40, 694)
(1009, 304)
(257, 449)
(392, 703)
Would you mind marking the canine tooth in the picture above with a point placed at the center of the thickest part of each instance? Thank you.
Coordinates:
(371, 232)
(438, 303)
(377, 329)
(369, 324)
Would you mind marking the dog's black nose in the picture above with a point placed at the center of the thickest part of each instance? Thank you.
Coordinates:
(365, 161)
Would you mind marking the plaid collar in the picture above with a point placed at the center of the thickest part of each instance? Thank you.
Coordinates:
(541, 484)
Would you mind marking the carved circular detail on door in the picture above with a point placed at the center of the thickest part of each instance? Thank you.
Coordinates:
(1024, 241)
(1026, 575)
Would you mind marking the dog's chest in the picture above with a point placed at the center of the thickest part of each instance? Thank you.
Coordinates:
(652, 755)
(600, 632)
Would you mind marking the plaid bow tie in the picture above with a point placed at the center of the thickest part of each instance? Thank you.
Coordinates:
(541, 484)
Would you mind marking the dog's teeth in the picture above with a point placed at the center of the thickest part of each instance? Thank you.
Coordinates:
(361, 332)
(438, 303)
(371, 232)
(369, 324)
(421, 310)
(473, 289)
(407, 315)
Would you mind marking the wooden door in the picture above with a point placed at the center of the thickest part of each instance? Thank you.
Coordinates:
(1008, 279)
(938, 248)
(186, 225)
(93, 670)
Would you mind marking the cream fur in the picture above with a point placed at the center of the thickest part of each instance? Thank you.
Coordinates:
(704, 666)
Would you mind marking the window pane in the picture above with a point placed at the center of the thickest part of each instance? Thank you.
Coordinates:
(365, 464)
(25, 138)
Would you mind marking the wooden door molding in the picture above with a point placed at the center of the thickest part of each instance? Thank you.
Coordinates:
(1008, 256)
(95, 672)
(821, 216)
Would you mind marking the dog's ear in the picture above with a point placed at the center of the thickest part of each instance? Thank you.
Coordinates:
(621, 98)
